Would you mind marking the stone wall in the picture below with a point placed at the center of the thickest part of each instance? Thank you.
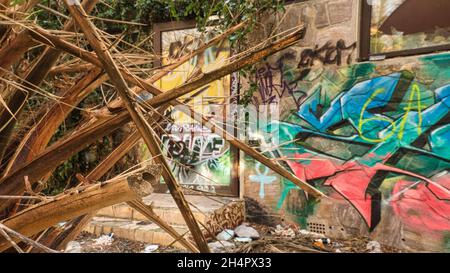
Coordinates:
(374, 136)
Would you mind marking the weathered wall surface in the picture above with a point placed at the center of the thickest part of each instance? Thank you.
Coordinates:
(374, 136)
(201, 160)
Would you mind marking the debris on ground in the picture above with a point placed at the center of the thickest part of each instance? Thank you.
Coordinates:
(104, 240)
(86, 243)
(221, 246)
(284, 231)
(246, 231)
(225, 235)
(243, 239)
(374, 247)
(150, 248)
(286, 239)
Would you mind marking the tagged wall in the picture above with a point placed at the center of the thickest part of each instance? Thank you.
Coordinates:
(373, 136)
(199, 159)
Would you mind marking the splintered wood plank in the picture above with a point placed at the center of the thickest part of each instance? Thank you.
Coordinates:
(77, 202)
(147, 133)
(162, 97)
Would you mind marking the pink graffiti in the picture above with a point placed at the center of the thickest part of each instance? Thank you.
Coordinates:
(352, 181)
(419, 207)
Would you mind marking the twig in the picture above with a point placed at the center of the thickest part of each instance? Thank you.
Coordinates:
(27, 240)
(7, 237)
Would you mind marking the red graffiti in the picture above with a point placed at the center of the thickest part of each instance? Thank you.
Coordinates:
(354, 182)
(419, 207)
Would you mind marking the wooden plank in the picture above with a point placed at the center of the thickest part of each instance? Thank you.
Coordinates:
(77, 202)
(95, 40)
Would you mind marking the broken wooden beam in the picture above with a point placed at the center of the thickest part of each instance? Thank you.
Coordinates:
(34, 76)
(148, 212)
(23, 238)
(38, 137)
(235, 142)
(80, 201)
(12, 184)
(115, 76)
(76, 226)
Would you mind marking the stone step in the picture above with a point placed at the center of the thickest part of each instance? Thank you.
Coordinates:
(134, 230)
(215, 213)
(165, 207)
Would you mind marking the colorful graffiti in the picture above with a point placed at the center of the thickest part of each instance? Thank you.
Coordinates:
(373, 139)
(199, 159)
(271, 89)
(200, 156)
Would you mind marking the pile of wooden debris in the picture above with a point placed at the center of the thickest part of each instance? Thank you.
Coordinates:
(49, 223)
(288, 239)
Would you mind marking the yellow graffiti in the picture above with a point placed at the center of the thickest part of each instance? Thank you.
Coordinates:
(415, 92)
(363, 121)
(414, 103)
(216, 93)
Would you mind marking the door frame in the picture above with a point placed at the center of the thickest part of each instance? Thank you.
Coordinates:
(233, 189)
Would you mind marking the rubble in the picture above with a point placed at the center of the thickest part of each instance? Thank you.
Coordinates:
(284, 231)
(220, 246)
(150, 248)
(34, 156)
(243, 239)
(225, 235)
(276, 241)
(246, 231)
(104, 240)
(374, 247)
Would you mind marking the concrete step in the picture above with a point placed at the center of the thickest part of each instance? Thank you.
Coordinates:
(134, 230)
(165, 207)
(216, 213)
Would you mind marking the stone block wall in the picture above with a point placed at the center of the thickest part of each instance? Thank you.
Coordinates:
(374, 136)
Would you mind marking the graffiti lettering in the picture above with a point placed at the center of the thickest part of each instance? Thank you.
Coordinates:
(271, 89)
(358, 178)
(413, 103)
(326, 54)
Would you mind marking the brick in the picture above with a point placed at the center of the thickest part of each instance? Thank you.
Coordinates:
(340, 11)
(148, 236)
(139, 235)
(124, 212)
(321, 19)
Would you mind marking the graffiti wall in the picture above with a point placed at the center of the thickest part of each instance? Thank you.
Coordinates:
(373, 136)
(199, 159)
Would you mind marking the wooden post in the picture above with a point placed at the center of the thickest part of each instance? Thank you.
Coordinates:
(37, 138)
(147, 133)
(95, 131)
(78, 224)
(79, 201)
(12, 184)
(35, 75)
